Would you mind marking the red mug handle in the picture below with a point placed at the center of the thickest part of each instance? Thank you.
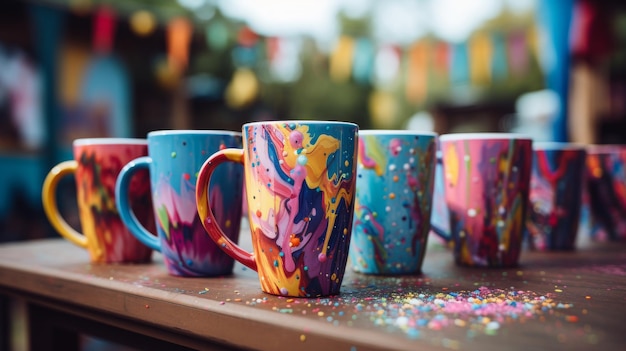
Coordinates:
(206, 213)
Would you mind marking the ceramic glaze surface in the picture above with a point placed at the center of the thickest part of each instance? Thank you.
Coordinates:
(555, 198)
(96, 167)
(175, 158)
(300, 179)
(606, 184)
(486, 189)
(395, 178)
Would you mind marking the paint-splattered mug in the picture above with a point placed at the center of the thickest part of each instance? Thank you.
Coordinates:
(300, 179)
(175, 156)
(395, 178)
(96, 165)
(487, 181)
(555, 198)
(606, 186)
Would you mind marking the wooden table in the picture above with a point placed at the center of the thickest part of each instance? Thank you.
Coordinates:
(572, 300)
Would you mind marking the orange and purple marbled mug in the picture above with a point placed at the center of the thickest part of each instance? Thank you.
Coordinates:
(300, 180)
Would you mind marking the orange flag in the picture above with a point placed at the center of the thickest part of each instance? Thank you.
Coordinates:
(179, 32)
(417, 72)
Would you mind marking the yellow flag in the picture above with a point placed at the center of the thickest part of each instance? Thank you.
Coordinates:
(383, 109)
(341, 59)
(480, 56)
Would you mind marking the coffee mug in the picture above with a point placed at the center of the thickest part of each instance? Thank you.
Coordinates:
(300, 179)
(555, 198)
(175, 156)
(96, 165)
(487, 180)
(395, 178)
(606, 186)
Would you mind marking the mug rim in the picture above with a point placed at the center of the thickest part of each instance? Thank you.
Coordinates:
(302, 121)
(193, 132)
(557, 146)
(399, 132)
(605, 148)
(109, 141)
(484, 136)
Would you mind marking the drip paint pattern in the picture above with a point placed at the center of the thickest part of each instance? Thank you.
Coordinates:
(606, 181)
(96, 174)
(395, 179)
(487, 187)
(186, 248)
(300, 181)
(555, 198)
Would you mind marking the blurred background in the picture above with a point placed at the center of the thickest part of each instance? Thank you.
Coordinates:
(121, 68)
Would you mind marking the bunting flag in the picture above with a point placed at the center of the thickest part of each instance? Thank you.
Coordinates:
(244, 56)
(441, 59)
(383, 109)
(242, 89)
(341, 59)
(532, 39)
(283, 55)
(247, 37)
(417, 72)
(142, 23)
(480, 55)
(272, 47)
(499, 59)
(459, 66)
(518, 53)
(386, 66)
(217, 35)
(103, 30)
(363, 62)
(179, 32)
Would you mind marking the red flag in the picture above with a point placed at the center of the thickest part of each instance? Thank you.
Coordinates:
(103, 30)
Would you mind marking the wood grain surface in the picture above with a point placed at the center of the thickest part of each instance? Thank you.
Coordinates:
(560, 300)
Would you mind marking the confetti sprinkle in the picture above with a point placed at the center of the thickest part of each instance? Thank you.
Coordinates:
(481, 311)
(571, 319)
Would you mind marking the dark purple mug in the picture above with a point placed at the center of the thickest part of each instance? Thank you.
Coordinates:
(556, 187)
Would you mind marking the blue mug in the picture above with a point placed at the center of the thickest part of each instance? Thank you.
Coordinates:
(174, 159)
(393, 201)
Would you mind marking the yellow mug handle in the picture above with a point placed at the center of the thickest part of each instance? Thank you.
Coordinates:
(48, 195)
